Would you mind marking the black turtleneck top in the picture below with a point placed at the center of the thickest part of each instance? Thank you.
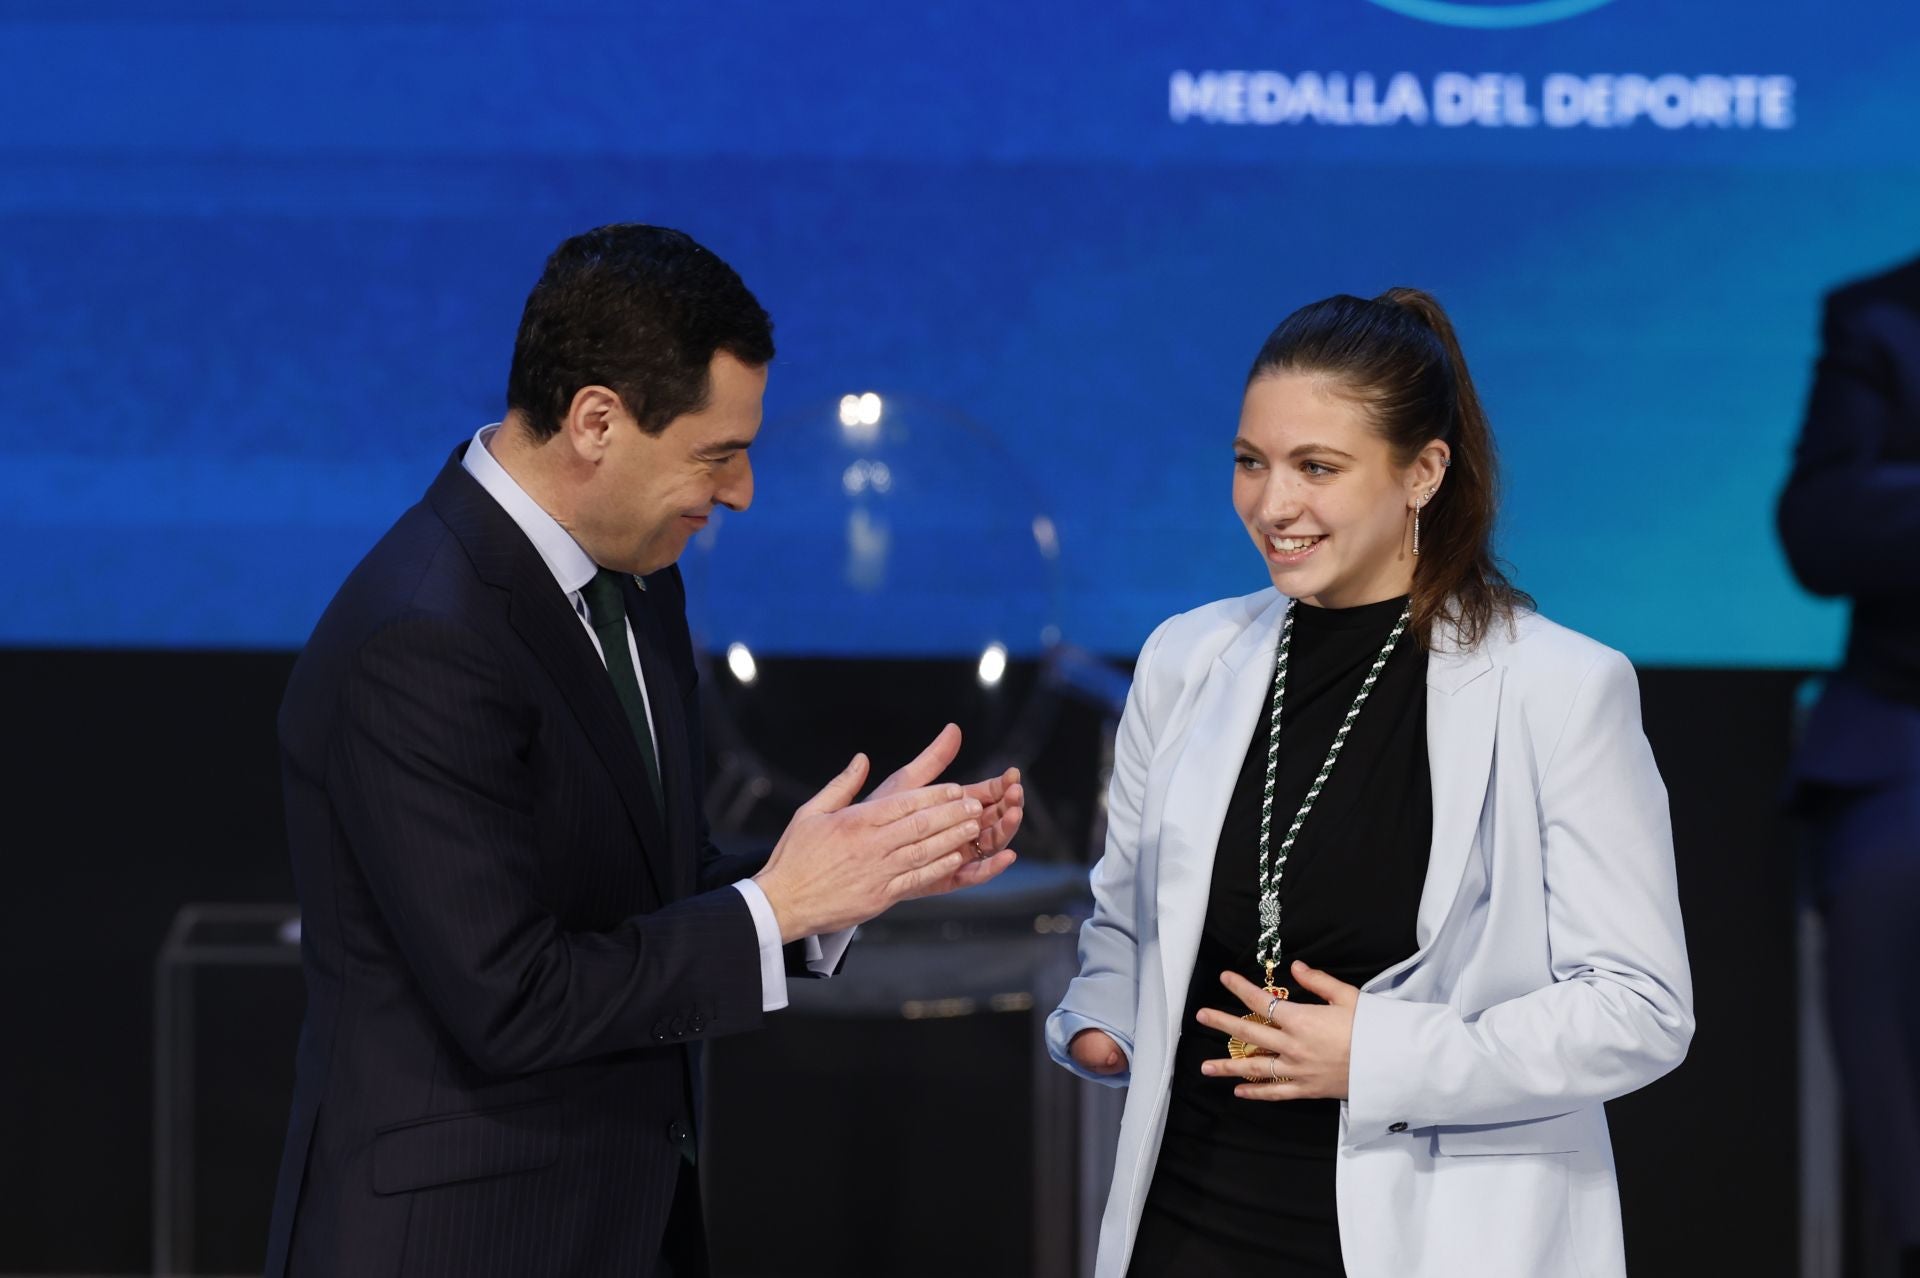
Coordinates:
(1243, 1185)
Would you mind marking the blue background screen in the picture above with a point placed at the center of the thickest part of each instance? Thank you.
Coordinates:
(263, 267)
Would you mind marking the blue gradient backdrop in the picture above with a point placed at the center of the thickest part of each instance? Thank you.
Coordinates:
(263, 265)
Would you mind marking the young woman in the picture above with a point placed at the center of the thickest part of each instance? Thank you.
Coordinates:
(1398, 838)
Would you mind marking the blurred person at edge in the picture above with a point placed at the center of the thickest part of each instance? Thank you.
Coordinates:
(1850, 522)
(1456, 904)
(516, 933)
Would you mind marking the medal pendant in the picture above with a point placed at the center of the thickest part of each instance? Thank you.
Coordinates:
(1239, 1048)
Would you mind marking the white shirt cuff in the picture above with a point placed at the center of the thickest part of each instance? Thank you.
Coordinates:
(773, 967)
(824, 951)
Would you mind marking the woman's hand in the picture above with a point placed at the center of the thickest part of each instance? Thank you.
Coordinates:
(1002, 800)
(1307, 1045)
(1095, 1051)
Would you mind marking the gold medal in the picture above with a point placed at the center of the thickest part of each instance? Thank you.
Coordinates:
(1238, 1047)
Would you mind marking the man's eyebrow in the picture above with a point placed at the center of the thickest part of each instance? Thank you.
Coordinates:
(726, 446)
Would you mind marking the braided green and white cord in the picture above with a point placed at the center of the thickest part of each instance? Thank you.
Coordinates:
(1272, 864)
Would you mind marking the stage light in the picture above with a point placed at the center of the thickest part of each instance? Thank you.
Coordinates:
(993, 665)
(861, 476)
(740, 662)
(860, 418)
(1046, 536)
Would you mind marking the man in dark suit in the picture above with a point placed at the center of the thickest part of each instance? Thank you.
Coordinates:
(1850, 520)
(515, 929)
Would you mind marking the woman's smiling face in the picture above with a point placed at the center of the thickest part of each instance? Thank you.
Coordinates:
(1320, 493)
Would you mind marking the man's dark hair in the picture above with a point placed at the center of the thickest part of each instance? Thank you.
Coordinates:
(640, 310)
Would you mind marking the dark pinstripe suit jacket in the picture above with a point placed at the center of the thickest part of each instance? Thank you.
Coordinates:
(509, 951)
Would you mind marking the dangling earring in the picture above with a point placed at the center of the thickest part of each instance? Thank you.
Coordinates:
(1416, 520)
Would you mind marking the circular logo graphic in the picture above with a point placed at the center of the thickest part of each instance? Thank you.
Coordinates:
(1466, 13)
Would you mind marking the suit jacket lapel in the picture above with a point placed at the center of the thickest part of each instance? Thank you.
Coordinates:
(1199, 788)
(541, 615)
(669, 736)
(1463, 709)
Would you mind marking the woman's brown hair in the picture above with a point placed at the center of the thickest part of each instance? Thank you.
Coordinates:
(1397, 356)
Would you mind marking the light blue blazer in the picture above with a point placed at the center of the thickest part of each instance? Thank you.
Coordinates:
(1551, 973)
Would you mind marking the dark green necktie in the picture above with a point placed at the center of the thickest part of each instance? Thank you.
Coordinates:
(606, 603)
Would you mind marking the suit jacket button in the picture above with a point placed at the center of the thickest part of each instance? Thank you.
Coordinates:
(1397, 1127)
(679, 1026)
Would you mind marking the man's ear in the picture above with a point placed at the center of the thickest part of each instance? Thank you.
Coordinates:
(590, 421)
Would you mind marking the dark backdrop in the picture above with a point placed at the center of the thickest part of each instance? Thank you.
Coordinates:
(138, 781)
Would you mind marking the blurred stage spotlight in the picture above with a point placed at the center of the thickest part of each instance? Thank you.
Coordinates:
(860, 417)
(740, 662)
(993, 665)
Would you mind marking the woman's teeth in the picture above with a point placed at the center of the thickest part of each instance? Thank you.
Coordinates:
(1291, 545)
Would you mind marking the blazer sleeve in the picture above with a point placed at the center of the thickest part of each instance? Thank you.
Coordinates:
(1105, 994)
(1619, 1011)
(439, 813)
(1850, 513)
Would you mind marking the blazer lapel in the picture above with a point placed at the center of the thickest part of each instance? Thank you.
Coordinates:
(1199, 788)
(1463, 708)
(541, 615)
(670, 737)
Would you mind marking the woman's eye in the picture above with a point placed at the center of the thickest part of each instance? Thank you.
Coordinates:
(1316, 469)
(1245, 462)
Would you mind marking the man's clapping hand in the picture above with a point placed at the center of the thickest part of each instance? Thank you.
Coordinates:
(1002, 802)
(840, 863)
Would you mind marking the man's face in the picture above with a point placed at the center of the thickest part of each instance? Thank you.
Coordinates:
(651, 493)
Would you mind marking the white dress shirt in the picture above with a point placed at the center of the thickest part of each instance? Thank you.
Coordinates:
(573, 568)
